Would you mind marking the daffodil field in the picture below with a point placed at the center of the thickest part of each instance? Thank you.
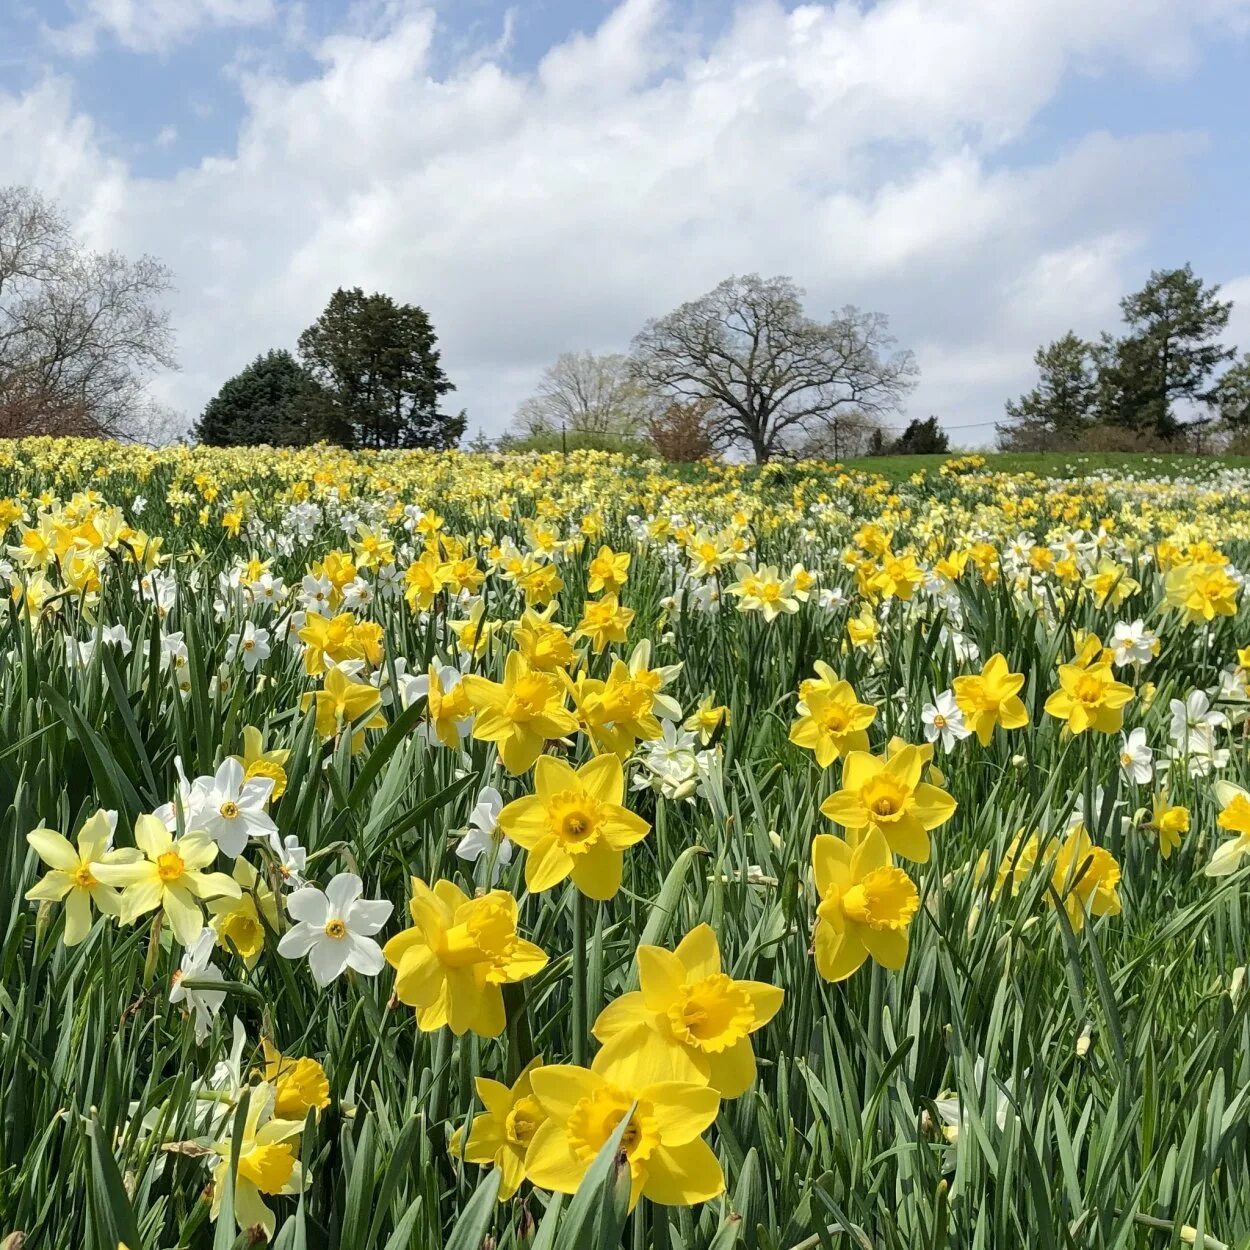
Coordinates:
(413, 850)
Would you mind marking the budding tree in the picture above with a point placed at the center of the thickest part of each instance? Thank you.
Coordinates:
(81, 332)
(773, 375)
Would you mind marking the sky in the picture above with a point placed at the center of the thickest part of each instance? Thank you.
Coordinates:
(545, 175)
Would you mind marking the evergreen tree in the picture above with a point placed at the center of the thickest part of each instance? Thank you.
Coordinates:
(274, 400)
(1230, 396)
(921, 438)
(379, 364)
(1169, 354)
(1061, 405)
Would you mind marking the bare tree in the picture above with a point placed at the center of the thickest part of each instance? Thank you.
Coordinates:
(585, 393)
(773, 374)
(80, 331)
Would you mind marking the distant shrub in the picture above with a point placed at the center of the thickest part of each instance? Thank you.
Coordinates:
(578, 441)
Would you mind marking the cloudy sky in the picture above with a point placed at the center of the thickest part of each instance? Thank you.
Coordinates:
(544, 175)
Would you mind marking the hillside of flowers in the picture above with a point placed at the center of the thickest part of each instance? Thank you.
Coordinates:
(411, 850)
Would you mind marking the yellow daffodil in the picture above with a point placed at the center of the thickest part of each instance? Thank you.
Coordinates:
(887, 795)
(259, 762)
(73, 879)
(501, 1135)
(1086, 878)
(707, 718)
(1235, 818)
(669, 1162)
(238, 921)
(299, 1084)
(342, 703)
(991, 698)
(832, 721)
(686, 1000)
(1169, 821)
(1089, 697)
(267, 1162)
(520, 713)
(865, 905)
(608, 571)
(170, 876)
(1201, 591)
(604, 621)
(451, 963)
(575, 824)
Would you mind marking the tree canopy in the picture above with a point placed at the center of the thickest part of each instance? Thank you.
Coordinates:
(273, 400)
(378, 362)
(771, 374)
(1152, 380)
(81, 332)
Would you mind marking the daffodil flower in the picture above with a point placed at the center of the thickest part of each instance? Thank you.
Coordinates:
(687, 1001)
(668, 1160)
(451, 963)
(575, 825)
(170, 876)
(74, 878)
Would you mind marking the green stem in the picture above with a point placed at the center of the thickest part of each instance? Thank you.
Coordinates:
(520, 1040)
(581, 1026)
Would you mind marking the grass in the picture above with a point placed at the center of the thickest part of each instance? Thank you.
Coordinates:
(1032, 1075)
(1064, 465)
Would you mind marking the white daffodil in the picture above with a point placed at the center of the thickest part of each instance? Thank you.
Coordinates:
(229, 809)
(482, 836)
(251, 646)
(1136, 757)
(945, 720)
(335, 929)
(197, 965)
(1133, 643)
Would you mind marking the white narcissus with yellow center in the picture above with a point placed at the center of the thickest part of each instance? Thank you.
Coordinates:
(335, 928)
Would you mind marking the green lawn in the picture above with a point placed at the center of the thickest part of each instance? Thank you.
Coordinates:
(1058, 464)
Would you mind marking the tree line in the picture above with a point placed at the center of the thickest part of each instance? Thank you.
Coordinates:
(742, 369)
(1166, 380)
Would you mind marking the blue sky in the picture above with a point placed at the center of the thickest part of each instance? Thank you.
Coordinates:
(545, 175)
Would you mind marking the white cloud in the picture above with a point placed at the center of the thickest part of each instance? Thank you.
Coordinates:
(152, 25)
(866, 152)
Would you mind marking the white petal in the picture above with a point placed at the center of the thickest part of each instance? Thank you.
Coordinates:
(309, 905)
(366, 916)
(328, 958)
(365, 956)
(297, 942)
(343, 891)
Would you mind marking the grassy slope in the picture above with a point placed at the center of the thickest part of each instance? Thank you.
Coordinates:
(1059, 464)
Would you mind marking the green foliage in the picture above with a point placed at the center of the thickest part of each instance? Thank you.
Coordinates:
(578, 440)
(1168, 355)
(273, 400)
(920, 438)
(1170, 351)
(1062, 404)
(379, 363)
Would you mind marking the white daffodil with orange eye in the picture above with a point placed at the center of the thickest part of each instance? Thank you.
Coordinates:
(74, 878)
(170, 876)
(335, 928)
